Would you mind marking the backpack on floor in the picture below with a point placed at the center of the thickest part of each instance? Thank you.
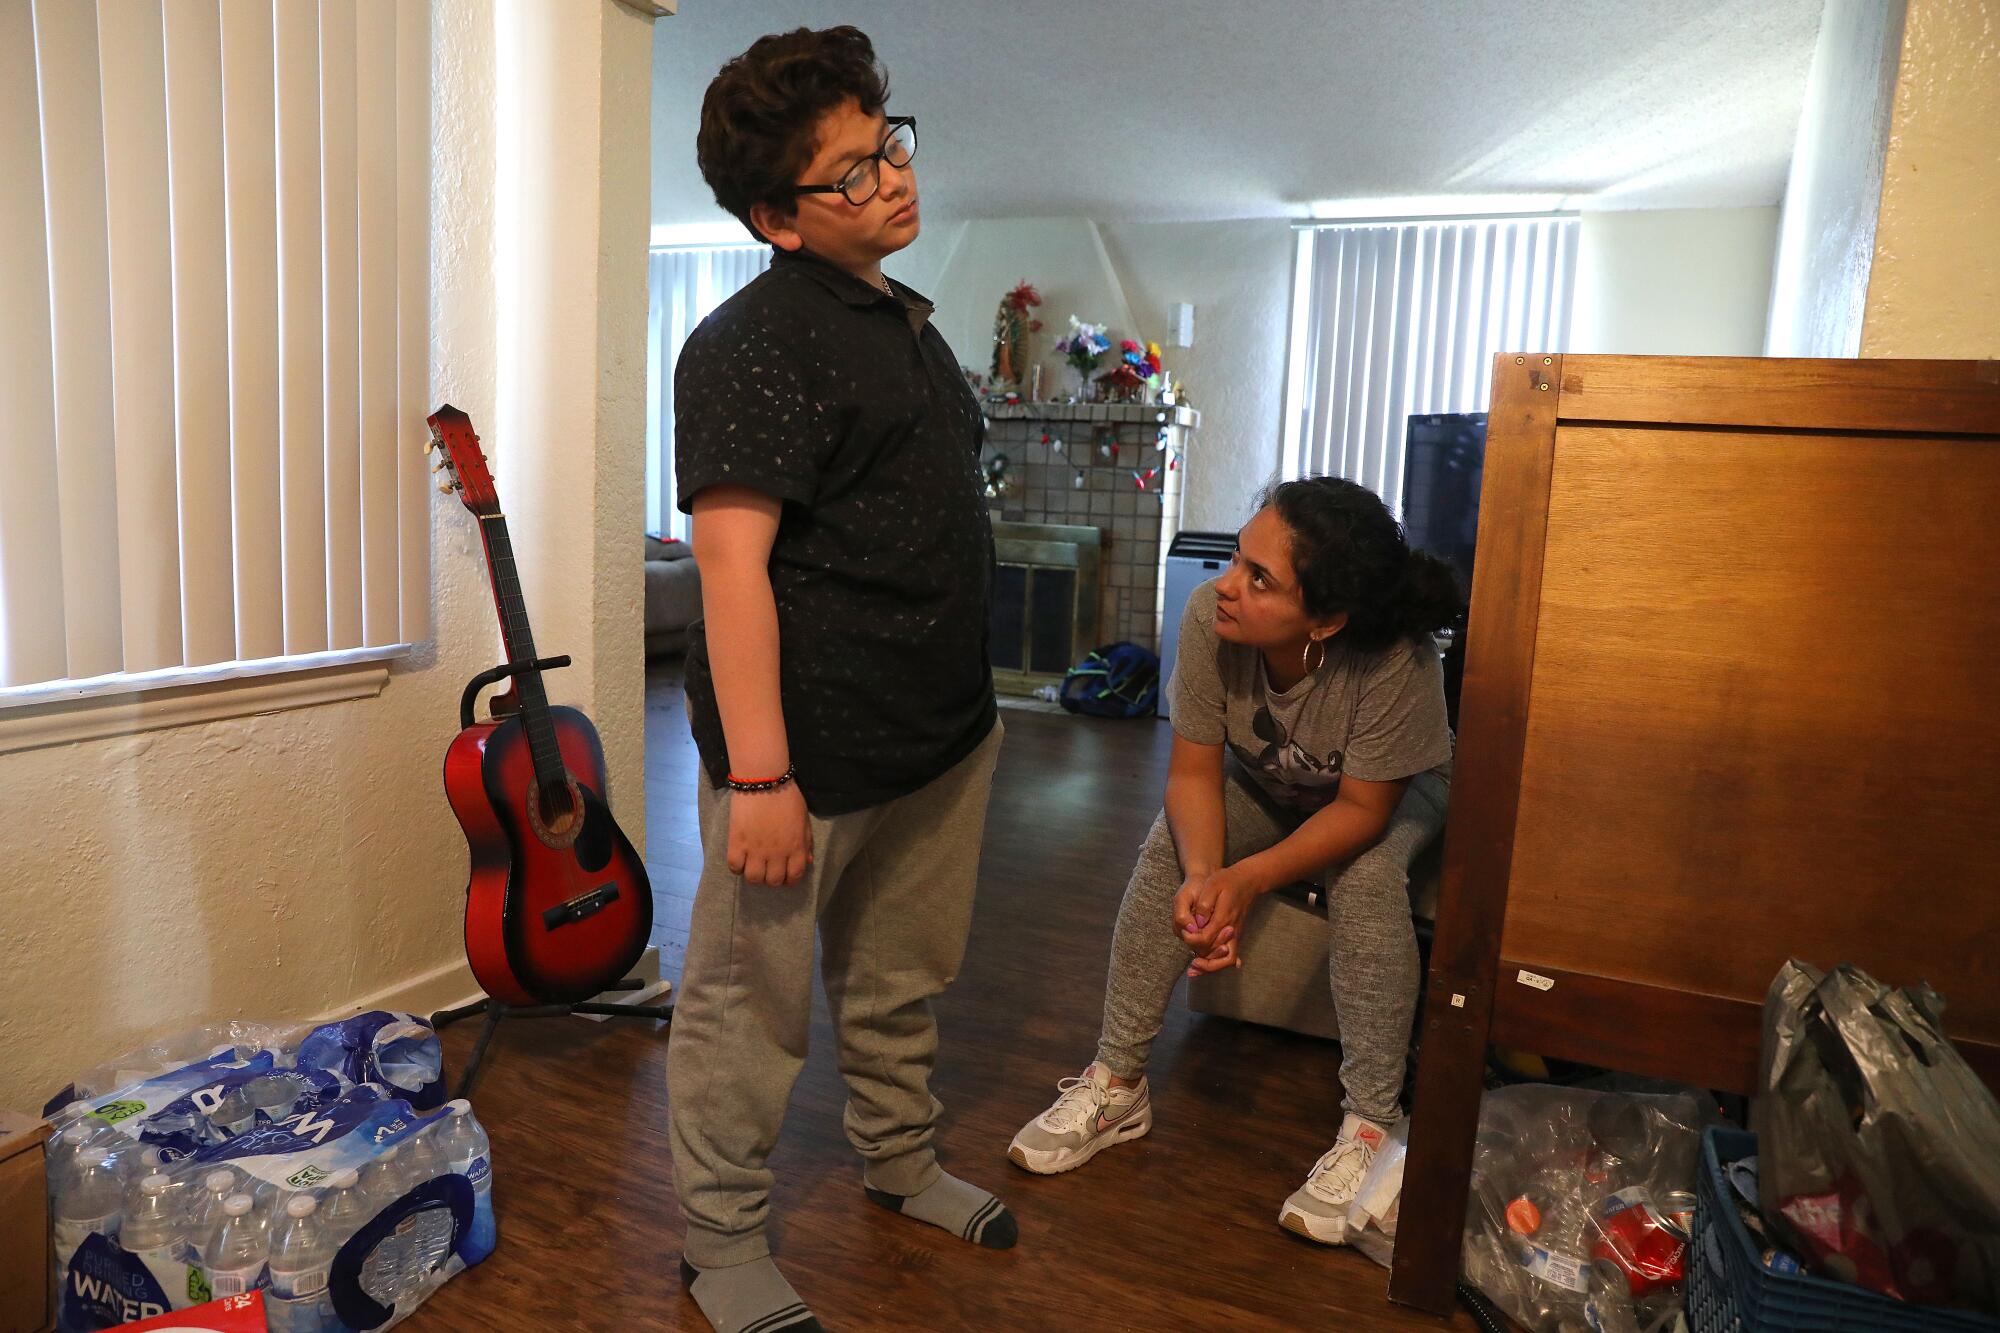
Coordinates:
(1117, 680)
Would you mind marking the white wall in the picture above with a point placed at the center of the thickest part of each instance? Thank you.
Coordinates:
(1236, 274)
(572, 237)
(1833, 193)
(1693, 282)
(1238, 277)
(1064, 257)
(295, 864)
(1935, 284)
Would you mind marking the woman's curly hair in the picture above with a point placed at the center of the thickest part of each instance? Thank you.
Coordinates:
(1349, 554)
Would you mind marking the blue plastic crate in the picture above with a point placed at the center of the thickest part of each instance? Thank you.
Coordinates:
(1730, 1291)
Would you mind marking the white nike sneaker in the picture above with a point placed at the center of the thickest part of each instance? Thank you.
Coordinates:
(1089, 1117)
(1318, 1208)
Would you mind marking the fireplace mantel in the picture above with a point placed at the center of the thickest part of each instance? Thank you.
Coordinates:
(1112, 414)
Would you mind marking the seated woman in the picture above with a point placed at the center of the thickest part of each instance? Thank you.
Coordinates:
(1310, 740)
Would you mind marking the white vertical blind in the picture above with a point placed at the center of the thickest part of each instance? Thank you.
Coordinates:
(213, 366)
(32, 635)
(132, 65)
(301, 331)
(1404, 318)
(413, 306)
(80, 315)
(343, 334)
(375, 256)
(201, 329)
(686, 285)
(250, 187)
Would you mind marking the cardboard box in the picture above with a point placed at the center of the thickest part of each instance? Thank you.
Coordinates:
(231, 1314)
(26, 1299)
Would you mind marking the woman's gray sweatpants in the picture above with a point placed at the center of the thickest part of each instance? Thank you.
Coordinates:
(1373, 961)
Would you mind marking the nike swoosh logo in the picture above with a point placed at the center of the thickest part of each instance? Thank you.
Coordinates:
(1103, 1124)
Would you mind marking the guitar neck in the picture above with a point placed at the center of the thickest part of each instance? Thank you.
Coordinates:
(519, 641)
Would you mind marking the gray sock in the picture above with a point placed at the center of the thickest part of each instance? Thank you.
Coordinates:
(966, 1211)
(748, 1298)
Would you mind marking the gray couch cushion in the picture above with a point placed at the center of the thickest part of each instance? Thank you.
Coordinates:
(673, 595)
(672, 549)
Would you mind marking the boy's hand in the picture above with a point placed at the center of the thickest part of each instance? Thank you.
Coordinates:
(770, 836)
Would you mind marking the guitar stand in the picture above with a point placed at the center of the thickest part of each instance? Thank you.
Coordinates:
(492, 1008)
(495, 1011)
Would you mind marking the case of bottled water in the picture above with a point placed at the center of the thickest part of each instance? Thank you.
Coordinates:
(325, 1173)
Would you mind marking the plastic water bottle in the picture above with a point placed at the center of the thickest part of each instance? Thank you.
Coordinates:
(383, 1181)
(454, 1138)
(301, 1256)
(233, 1259)
(383, 1178)
(467, 1148)
(425, 1159)
(477, 1166)
(85, 1132)
(205, 1208)
(137, 1161)
(424, 1156)
(153, 1227)
(344, 1209)
(89, 1202)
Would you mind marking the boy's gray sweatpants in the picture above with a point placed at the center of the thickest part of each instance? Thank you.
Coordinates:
(1373, 962)
(890, 894)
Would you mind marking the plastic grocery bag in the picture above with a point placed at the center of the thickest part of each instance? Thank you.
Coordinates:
(1580, 1206)
(1371, 1218)
(1878, 1147)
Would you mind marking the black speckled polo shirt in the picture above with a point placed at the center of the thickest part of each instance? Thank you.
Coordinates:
(842, 401)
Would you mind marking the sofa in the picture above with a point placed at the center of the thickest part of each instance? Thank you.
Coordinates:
(673, 595)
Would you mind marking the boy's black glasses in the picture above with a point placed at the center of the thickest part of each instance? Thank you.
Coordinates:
(859, 185)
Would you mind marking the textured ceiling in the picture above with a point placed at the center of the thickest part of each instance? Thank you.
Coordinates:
(1185, 109)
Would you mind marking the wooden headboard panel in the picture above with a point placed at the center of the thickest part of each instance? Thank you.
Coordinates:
(1732, 695)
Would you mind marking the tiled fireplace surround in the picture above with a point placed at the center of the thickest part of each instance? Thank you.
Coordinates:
(1134, 525)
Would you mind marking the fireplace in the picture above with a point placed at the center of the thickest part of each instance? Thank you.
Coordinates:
(1119, 468)
(1046, 600)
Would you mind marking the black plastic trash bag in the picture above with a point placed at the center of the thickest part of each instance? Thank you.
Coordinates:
(1878, 1147)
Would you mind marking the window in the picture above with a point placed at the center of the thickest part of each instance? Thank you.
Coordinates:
(687, 283)
(214, 263)
(1390, 319)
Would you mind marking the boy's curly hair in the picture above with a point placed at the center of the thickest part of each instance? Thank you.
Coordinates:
(760, 111)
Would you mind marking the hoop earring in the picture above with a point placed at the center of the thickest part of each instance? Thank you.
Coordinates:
(1305, 656)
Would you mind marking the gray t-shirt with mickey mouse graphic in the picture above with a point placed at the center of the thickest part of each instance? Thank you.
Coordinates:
(1378, 716)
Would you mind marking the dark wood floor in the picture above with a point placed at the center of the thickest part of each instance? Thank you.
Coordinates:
(1178, 1231)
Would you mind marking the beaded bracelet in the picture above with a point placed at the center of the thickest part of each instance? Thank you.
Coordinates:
(759, 784)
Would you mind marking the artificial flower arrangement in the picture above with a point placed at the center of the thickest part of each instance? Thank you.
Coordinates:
(1137, 371)
(1083, 346)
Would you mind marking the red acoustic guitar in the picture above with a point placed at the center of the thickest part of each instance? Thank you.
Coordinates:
(558, 907)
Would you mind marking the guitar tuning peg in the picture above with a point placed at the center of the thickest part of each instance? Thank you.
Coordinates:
(445, 488)
(440, 465)
(430, 444)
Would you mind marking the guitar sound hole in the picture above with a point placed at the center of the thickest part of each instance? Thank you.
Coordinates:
(556, 814)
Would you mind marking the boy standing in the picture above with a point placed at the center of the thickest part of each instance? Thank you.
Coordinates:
(838, 686)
